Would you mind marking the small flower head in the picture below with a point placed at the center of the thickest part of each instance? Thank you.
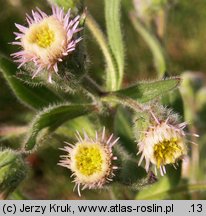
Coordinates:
(91, 161)
(162, 143)
(46, 40)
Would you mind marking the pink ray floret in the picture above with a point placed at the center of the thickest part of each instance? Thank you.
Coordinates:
(47, 58)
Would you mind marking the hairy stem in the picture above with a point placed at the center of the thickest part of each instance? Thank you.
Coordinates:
(111, 81)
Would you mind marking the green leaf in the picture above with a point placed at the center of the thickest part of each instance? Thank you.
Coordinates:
(51, 118)
(87, 123)
(158, 189)
(33, 97)
(12, 171)
(134, 96)
(153, 44)
(112, 15)
(111, 80)
(144, 92)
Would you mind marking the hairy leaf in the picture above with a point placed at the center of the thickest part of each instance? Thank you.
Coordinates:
(12, 171)
(111, 80)
(112, 15)
(33, 97)
(144, 92)
(51, 118)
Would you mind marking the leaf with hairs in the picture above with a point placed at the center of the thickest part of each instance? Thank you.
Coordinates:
(12, 171)
(111, 80)
(51, 118)
(33, 97)
(144, 92)
(112, 15)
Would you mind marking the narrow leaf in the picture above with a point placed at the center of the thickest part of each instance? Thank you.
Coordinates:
(112, 15)
(78, 124)
(153, 44)
(144, 92)
(111, 80)
(51, 118)
(33, 97)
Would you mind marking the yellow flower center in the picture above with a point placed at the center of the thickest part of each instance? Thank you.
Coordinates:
(46, 40)
(43, 36)
(167, 151)
(89, 159)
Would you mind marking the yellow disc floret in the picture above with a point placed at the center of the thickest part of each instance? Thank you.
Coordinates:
(46, 39)
(89, 159)
(42, 36)
(163, 143)
(167, 151)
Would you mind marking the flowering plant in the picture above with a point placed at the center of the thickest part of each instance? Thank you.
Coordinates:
(116, 136)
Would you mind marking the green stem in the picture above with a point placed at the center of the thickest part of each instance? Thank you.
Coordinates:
(89, 84)
(111, 81)
(153, 44)
(125, 101)
(115, 39)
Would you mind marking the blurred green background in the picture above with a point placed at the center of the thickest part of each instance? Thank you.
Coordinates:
(185, 40)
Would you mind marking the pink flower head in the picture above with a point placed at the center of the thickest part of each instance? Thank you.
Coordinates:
(90, 160)
(46, 40)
